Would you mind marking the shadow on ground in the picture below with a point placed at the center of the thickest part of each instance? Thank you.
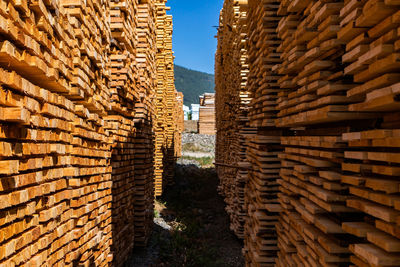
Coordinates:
(192, 227)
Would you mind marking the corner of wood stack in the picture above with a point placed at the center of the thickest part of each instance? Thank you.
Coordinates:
(308, 117)
(78, 129)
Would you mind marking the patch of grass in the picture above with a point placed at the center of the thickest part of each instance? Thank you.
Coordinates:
(204, 161)
(156, 214)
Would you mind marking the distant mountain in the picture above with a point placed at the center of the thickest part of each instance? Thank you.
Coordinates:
(193, 84)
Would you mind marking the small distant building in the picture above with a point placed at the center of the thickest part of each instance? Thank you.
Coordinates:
(207, 114)
(195, 112)
(186, 112)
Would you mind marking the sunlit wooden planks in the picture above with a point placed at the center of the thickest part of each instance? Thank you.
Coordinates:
(231, 106)
(76, 125)
(207, 114)
(323, 77)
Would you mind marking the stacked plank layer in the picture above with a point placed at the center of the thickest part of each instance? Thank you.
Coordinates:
(76, 127)
(55, 169)
(144, 122)
(124, 89)
(168, 122)
(322, 187)
(231, 105)
(311, 192)
(172, 122)
(370, 30)
(179, 126)
(261, 191)
(207, 114)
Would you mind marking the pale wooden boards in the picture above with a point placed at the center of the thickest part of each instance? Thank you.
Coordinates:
(231, 106)
(56, 204)
(338, 72)
(262, 206)
(207, 114)
(370, 173)
(324, 74)
(77, 120)
(168, 106)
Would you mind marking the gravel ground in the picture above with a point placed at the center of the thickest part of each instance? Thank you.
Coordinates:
(206, 143)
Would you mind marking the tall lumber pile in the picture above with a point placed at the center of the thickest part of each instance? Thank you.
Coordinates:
(371, 167)
(312, 195)
(231, 105)
(171, 100)
(144, 122)
(166, 100)
(125, 89)
(55, 171)
(76, 124)
(324, 78)
(160, 105)
(207, 114)
(263, 149)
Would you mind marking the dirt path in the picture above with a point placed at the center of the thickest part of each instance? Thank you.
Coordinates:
(192, 227)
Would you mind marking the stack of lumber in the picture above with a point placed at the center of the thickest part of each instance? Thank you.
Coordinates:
(311, 195)
(370, 169)
(55, 172)
(261, 191)
(170, 120)
(144, 123)
(76, 127)
(322, 187)
(144, 182)
(180, 125)
(124, 94)
(207, 114)
(312, 66)
(56, 180)
(166, 101)
(330, 74)
(313, 200)
(160, 105)
(261, 198)
(231, 104)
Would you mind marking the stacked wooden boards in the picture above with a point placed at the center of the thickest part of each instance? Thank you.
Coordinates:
(324, 89)
(180, 124)
(76, 127)
(145, 120)
(160, 105)
(207, 114)
(171, 102)
(124, 87)
(55, 169)
(370, 166)
(330, 73)
(231, 105)
(168, 127)
(263, 149)
(311, 193)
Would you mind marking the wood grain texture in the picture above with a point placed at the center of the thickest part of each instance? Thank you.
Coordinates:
(77, 127)
(321, 178)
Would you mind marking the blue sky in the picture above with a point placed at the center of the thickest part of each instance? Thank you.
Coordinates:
(193, 40)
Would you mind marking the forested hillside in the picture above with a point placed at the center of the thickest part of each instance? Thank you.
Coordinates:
(193, 84)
